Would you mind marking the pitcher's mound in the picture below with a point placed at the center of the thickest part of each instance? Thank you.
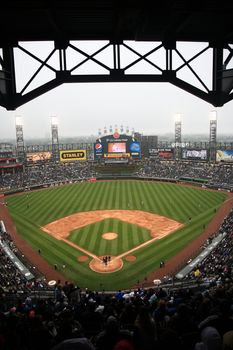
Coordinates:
(109, 235)
(113, 265)
(82, 258)
(130, 258)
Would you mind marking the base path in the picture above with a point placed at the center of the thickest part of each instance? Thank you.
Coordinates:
(159, 226)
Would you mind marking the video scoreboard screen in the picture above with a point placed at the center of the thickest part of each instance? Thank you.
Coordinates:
(117, 146)
(38, 157)
(166, 153)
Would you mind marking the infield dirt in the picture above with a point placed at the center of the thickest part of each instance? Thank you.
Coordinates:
(158, 226)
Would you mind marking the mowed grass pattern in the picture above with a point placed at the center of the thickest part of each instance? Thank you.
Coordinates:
(32, 210)
(128, 237)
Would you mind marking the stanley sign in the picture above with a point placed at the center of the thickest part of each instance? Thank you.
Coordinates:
(73, 155)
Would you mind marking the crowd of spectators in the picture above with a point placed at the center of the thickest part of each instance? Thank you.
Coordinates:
(11, 278)
(46, 174)
(176, 169)
(223, 175)
(216, 173)
(217, 266)
(143, 319)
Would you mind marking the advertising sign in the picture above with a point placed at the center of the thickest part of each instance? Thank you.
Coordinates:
(38, 156)
(73, 155)
(200, 154)
(224, 156)
(116, 155)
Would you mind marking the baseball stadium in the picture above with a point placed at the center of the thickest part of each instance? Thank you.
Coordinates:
(125, 241)
(99, 217)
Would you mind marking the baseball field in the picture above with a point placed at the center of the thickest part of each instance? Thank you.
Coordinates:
(111, 235)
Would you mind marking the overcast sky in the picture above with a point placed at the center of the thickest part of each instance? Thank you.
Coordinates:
(83, 109)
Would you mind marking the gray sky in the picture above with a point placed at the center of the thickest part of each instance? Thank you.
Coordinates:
(82, 109)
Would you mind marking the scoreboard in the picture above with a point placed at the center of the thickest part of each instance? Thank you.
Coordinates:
(117, 146)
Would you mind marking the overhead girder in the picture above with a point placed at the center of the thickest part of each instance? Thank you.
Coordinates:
(217, 94)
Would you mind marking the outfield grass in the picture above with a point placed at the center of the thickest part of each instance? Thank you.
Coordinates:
(32, 210)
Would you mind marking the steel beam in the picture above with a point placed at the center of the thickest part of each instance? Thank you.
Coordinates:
(114, 71)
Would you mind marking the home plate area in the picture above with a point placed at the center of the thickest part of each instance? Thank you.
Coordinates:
(104, 264)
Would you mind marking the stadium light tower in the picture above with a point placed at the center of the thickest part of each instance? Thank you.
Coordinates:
(20, 153)
(178, 123)
(55, 140)
(213, 135)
